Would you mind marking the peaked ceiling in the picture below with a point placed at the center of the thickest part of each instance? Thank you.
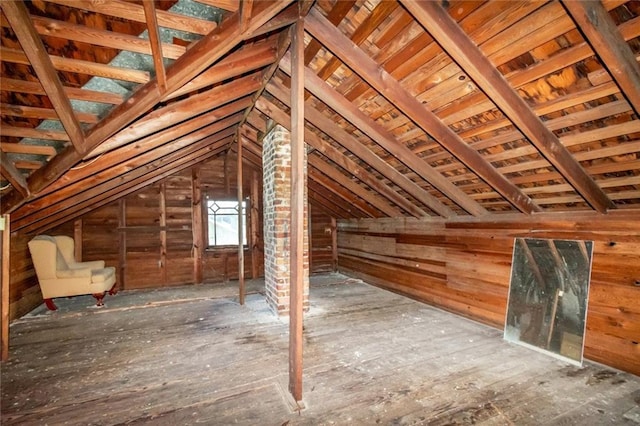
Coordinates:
(447, 108)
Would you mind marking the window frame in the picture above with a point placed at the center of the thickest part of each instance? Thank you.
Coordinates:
(207, 198)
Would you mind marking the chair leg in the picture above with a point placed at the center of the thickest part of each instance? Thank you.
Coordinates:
(50, 305)
(99, 297)
(114, 290)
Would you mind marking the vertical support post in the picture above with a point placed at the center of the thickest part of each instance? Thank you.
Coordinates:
(77, 239)
(334, 244)
(241, 283)
(197, 229)
(122, 226)
(163, 233)
(254, 196)
(6, 270)
(296, 300)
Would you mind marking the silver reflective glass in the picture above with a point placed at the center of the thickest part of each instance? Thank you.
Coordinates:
(548, 296)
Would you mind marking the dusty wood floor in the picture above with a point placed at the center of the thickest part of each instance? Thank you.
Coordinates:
(194, 356)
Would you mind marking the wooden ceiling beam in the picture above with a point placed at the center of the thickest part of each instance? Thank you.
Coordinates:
(42, 113)
(112, 181)
(385, 139)
(184, 133)
(79, 66)
(185, 109)
(127, 184)
(114, 40)
(370, 196)
(18, 16)
(242, 61)
(395, 93)
(136, 13)
(335, 16)
(246, 9)
(343, 161)
(30, 132)
(368, 25)
(151, 19)
(317, 180)
(23, 148)
(471, 59)
(10, 172)
(605, 39)
(35, 88)
(352, 144)
(229, 5)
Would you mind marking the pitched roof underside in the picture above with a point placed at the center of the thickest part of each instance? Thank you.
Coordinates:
(453, 108)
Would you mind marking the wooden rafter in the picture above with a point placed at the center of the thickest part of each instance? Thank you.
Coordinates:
(605, 38)
(13, 175)
(18, 16)
(136, 13)
(80, 66)
(246, 9)
(395, 93)
(471, 59)
(113, 182)
(384, 138)
(156, 44)
(242, 61)
(41, 113)
(349, 165)
(158, 171)
(353, 145)
(35, 88)
(200, 56)
(118, 162)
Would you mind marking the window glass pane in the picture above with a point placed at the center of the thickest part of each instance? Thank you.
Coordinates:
(223, 222)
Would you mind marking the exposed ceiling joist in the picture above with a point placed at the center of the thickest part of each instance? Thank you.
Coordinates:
(608, 43)
(157, 171)
(350, 143)
(385, 139)
(200, 56)
(18, 16)
(395, 93)
(112, 183)
(153, 30)
(338, 157)
(471, 59)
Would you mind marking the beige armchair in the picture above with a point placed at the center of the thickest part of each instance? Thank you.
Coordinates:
(60, 275)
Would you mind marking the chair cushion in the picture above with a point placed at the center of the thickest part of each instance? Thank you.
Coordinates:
(102, 275)
(73, 273)
(61, 264)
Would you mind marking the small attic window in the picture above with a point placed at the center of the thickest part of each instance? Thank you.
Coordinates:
(222, 223)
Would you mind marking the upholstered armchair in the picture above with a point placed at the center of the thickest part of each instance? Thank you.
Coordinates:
(60, 275)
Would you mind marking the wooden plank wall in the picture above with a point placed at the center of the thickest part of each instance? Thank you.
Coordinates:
(464, 266)
(321, 242)
(133, 242)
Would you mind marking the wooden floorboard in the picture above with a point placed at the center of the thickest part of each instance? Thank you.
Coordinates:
(193, 355)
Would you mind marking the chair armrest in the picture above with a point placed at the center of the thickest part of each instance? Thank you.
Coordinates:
(94, 264)
(74, 273)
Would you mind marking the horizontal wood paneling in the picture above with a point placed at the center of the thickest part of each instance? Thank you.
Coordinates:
(464, 266)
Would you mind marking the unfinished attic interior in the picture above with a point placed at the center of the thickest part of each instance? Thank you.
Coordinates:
(321, 212)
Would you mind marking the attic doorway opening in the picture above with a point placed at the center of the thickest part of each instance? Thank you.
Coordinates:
(548, 296)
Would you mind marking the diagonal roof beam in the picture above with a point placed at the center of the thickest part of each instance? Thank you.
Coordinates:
(200, 56)
(385, 139)
(607, 41)
(129, 183)
(18, 16)
(156, 44)
(13, 175)
(352, 144)
(395, 93)
(338, 157)
(470, 58)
